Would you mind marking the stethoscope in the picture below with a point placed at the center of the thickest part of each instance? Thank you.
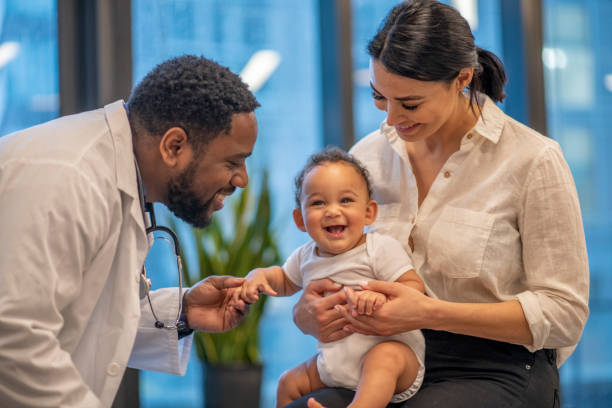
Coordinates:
(145, 282)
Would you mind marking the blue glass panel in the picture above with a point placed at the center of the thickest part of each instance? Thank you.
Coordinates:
(28, 64)
(578, 78)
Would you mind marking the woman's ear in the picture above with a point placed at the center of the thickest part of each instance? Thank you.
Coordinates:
(464, 78)
(174, 147)
(298, 219)
(371, 212)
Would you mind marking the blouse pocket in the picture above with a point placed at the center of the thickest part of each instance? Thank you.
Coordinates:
(457, 242)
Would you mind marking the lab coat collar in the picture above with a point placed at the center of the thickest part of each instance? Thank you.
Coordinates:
(117, 120)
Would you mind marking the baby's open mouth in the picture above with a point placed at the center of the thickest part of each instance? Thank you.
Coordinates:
(335, 229)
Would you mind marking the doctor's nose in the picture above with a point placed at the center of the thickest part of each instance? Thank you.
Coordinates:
(241, 177)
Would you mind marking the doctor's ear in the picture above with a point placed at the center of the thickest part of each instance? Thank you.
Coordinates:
(174, 146)
(298, 219)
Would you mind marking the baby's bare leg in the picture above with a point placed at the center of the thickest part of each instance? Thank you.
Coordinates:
(388, 368)
(298, 381)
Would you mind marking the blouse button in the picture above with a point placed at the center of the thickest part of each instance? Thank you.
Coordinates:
(447, 174)
(113, 369)
(469, 136)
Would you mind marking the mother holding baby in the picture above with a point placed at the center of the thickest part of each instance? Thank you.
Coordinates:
(488, 208)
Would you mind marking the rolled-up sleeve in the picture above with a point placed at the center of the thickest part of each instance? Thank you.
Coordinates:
(554, 254)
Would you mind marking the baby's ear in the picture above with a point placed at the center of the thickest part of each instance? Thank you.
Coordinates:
(298, 219)
(371, 212)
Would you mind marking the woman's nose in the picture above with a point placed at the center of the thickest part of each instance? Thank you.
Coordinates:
(394, 114)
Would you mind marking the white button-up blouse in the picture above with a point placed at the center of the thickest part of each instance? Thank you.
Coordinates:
(500, 222)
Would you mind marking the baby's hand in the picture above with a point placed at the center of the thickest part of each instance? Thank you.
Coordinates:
(235, 301)
(367, 301)
(255, 284)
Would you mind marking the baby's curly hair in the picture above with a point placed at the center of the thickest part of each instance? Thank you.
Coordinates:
(330, 154)
(191, 92)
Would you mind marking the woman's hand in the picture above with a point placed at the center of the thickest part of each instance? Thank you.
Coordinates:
(314, 313)
(406, 309)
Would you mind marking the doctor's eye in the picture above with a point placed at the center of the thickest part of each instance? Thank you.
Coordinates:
(234, 163)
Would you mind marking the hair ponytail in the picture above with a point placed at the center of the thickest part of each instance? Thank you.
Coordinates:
(490, 77)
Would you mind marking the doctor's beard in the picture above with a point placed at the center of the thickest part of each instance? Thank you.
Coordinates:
(185, 203)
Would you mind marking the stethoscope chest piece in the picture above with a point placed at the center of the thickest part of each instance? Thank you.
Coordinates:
(144, 286)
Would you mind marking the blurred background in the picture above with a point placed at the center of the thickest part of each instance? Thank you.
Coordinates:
(306, 62)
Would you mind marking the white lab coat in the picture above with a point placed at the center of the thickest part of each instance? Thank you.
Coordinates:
(73, 243)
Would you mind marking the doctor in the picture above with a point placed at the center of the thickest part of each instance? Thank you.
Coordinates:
(73, 238)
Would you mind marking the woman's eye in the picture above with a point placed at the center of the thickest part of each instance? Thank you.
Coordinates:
(410, 107)
(377, 97)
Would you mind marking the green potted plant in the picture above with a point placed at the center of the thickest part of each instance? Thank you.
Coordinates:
(238, 240)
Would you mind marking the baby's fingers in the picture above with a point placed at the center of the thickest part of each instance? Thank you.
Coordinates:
(379, 301)
(267, 289)
(250, 294)
(362, 304)
(370, 305)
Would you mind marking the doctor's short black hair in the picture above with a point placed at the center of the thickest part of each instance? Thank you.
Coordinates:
(330, 154)
(191, 92)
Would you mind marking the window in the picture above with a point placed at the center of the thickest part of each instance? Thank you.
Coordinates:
(28, 64)
(578, 79)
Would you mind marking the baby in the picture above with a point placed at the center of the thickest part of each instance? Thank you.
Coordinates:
(333, 207)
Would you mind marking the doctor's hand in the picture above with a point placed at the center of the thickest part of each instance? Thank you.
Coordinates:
(314, 313)
(210, 305)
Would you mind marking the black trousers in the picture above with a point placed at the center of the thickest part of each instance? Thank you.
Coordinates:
(464, 371)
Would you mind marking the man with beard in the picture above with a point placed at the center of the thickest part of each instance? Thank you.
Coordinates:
(73, 233)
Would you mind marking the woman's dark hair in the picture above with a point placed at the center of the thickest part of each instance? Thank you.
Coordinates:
(330, 154)
(430, 41)
(191, 92)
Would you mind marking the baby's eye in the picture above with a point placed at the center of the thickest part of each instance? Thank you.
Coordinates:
(317, 203)
(346, 200)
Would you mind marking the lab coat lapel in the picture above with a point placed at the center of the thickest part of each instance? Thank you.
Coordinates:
(117, 120)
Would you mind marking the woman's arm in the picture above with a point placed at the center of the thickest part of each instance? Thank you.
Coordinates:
(409, 309)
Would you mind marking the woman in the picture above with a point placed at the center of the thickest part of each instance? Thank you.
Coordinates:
(488, 207)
